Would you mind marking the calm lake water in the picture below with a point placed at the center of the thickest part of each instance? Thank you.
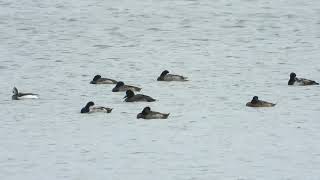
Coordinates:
(230, 50)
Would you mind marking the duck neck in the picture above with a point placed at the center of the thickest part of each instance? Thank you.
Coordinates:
(291, 80)
(95, 79)
(14, 97)
(144, 112)
(162, 77)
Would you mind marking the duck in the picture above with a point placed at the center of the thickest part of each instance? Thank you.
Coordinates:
(300, 81)
(120, 86)
(148, 114)
(99, 80)
(18, 96)
(131, 97)
(165, 76)
(255, 102)
(90, 108)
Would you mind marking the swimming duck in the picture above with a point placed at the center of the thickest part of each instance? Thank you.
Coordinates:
(17, 96)
(165, 76)
(120, 86)
(255, 102)
(131, 97)
(300, 81)
(90, 108)
(99, 80)
(148, 114)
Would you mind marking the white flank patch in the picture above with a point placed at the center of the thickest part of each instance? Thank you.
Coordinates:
(29, 97)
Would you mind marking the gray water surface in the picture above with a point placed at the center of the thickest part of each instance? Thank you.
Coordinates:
(230, 50)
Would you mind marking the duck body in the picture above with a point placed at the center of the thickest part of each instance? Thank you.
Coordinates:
(20, 96)
(121, 87)
(165, 76)
(90, 108)
(148, 114)
(131, 97)
(300, 81)
(255, 102)
(99, 80)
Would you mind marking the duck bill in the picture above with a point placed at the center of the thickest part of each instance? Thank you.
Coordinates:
(139, 116)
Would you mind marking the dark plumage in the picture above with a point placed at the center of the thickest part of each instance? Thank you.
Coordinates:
(165, 76)
(99, 80)
(255, 102)
(131, 97)
(300, 81)
(120, 86)
(148, 114)
(90, 108)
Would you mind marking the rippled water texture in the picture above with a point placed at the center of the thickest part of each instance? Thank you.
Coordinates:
(230, 50)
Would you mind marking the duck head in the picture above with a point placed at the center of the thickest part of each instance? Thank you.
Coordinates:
(129, 94)
(144, 112)
(89, 104)
(292, 75)
(255, 100)
(163, 74)
(96, 77)
(118, 85)
(86, 109)
(15, 91)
